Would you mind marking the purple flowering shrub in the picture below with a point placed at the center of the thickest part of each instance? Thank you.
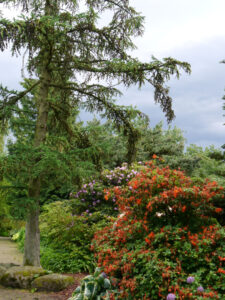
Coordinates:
(90, 198)
(119, 176)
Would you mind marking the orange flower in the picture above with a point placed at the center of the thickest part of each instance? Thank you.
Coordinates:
(154, 156)
(151, 235)
(183, 208)
(147, 241)
(149, 238)
(221, 271)
(218, 210)
(135, 185)
(176, 192)
(138, 201)
(221, 258)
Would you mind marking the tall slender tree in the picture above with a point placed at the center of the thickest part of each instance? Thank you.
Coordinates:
(71, 55)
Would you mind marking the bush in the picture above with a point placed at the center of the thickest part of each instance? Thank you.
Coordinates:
(61, 261)
(91, 197)
(19, 238)
(66, 239)
(164, 236)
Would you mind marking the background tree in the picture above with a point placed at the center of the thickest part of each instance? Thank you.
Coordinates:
(70, 56)
(164, 143)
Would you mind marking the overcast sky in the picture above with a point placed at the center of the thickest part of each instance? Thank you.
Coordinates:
(188, 30)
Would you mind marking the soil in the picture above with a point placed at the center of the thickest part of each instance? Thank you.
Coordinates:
(10, 254)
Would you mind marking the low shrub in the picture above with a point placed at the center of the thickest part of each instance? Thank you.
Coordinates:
(164, 236)
(66, 239)
(61, 261)
(19, 238)
(96, 286)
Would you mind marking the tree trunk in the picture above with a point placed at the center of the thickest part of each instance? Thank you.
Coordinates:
(32, 235)
(32, 240)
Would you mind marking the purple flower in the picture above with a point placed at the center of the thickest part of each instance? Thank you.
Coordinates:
(115, 208)
(98, 201)
(104, 274)
(170, 297)
(200, 289)
(190, 279)
(87, 211)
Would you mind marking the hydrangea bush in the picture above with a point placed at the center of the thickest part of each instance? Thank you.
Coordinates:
(165, 245)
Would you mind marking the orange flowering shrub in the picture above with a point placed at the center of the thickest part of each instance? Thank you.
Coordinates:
(164, 236)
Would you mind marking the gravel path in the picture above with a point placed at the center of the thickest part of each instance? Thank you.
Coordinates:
(10, 254)
(15, 294)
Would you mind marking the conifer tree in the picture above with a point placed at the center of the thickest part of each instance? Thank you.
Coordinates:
(73, 61)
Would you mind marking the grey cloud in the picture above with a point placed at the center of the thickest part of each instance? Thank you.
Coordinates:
(196, 98)
(10, 74)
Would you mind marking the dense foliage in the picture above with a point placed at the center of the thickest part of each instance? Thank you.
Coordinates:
(164, 236)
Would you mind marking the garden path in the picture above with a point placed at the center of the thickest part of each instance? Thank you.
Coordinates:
(10, 254)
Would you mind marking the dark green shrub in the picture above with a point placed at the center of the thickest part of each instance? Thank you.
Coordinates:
(61, 261)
